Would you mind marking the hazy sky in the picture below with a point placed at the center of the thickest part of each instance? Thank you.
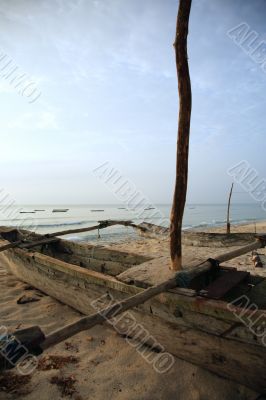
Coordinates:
(106, 72)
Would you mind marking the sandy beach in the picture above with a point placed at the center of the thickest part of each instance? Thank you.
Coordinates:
(100, 364)
(132, 140)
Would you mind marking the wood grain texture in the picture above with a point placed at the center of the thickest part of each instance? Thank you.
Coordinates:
(185, 104)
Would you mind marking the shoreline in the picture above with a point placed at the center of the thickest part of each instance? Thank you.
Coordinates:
(241, 227)
(221, 226)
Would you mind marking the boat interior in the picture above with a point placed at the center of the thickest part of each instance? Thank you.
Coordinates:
(225, 283)
(94, 257)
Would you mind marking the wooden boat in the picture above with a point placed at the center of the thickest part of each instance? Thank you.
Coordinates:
(210, 324)
(197, 238)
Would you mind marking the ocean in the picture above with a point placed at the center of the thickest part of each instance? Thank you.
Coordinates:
(42, 219)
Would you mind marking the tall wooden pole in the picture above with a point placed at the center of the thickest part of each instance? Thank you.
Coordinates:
(228, 226)
(185, 103)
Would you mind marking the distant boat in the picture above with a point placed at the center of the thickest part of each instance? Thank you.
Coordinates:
(39, 210)
(27, 212)
(121, 208)
(191, 208)
(149, 208)
(60, 210)
(97, 210)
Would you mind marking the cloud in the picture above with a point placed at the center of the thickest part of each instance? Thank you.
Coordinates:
(106, 70)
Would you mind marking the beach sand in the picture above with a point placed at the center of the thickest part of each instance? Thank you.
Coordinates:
(99, 364)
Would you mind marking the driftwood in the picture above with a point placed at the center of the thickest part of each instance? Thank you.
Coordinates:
(185, 102)
(228, 226)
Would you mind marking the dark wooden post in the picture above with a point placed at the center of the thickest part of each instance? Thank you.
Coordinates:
(185, 103)
(228, 226)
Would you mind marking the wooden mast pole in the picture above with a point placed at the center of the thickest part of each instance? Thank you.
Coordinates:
(228, 226)
(185, 104)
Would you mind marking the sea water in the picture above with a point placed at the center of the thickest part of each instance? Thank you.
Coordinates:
(42, 219)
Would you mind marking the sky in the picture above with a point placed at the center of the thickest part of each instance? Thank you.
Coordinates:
(106, 77)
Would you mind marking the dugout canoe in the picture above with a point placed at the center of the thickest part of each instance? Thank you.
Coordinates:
(195, 237)
(218, 329)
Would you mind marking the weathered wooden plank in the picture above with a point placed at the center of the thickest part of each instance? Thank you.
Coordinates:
(154, 271)
(18, 261)
(112, 268)
(70, 272)
(226, 357)
(39, 268)
(100, 252)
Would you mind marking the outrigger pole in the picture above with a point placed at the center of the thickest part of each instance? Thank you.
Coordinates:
(52, 237)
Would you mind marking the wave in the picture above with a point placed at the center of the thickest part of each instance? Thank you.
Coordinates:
(74, 223)
(52, 225)
(223, 222)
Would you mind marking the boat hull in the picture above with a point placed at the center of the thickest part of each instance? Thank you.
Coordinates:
(183, 325)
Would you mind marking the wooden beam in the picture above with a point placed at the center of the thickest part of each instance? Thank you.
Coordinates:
(185, 104)
(101, 225)
(48, 238)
